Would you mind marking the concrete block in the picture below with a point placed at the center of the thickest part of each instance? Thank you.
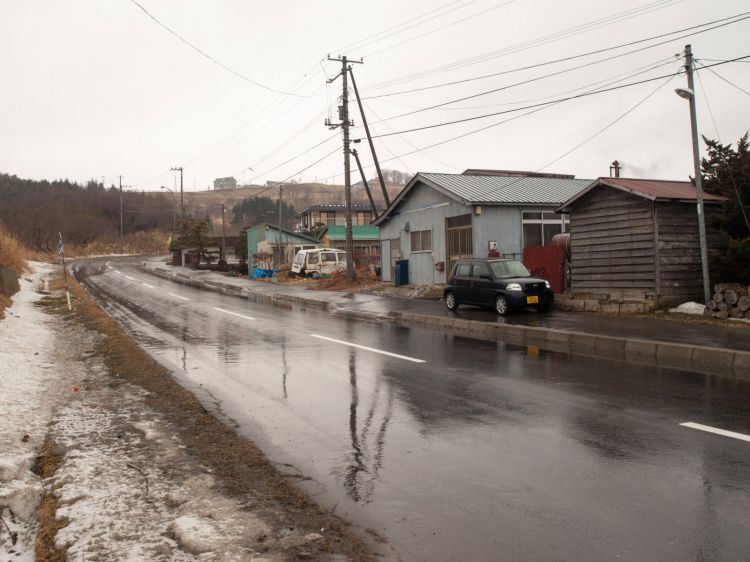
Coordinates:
(9, 281)
(674, 352)
(632, 308)
(609, 344)
(610, 307)
(558, 337)
(461, 325)
(432, 321)
(446, 323)
(575, 305)
(641, 347)
(742, 364)
(714, 356)
(590, 305)
(615, 296)
(535, 334)
(634, 294)
(582, 341)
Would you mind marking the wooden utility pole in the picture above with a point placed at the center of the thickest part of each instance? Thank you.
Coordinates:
(223, 234)
(345, 123)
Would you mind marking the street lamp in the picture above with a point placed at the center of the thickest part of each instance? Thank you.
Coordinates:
(174, 210)
(689, 94)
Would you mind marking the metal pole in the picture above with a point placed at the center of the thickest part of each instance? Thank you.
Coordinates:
(698, 179)
(122, 237)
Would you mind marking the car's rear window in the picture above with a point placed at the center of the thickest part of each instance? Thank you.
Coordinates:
(510, 268)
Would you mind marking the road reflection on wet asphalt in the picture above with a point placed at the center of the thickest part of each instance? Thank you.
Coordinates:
(486, 451)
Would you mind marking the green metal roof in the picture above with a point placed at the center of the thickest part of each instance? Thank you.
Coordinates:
(359, 232)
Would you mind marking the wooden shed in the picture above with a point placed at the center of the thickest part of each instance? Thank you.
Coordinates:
(637, 236)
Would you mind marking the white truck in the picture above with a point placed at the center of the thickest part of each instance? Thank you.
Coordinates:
(318, 262)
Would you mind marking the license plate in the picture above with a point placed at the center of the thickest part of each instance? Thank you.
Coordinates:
(532, 300)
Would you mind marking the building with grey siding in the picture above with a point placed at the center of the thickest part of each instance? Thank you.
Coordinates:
(439, 218)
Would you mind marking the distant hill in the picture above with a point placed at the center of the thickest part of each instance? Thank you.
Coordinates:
(301, 195)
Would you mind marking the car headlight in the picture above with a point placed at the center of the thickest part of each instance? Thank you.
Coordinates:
(513, 287)
(547, 284)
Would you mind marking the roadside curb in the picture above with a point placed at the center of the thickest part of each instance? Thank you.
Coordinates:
(718, 361)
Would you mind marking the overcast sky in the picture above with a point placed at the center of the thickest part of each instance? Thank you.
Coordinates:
(97, 89)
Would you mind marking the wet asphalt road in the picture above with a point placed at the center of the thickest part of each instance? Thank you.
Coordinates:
(456, 449)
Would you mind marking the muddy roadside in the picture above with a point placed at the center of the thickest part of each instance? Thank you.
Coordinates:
(135, 468)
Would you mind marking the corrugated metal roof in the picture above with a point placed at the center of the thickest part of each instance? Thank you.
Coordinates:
(659, 189)
(508, 190)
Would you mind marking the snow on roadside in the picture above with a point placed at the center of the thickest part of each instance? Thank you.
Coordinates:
(27, 399)
(689, 308)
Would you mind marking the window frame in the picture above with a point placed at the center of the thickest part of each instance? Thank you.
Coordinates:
(422, 235)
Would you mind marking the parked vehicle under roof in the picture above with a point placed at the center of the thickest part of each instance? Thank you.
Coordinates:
(501, 284)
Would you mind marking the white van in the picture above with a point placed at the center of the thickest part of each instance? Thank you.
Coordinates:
(321, 261)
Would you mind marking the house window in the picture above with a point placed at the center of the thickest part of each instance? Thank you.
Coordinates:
(540, 226)
(328, 217)
(421, 241)
(363, 218)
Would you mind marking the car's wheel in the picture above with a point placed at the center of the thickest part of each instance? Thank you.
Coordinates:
(450, 301)
(501, 305)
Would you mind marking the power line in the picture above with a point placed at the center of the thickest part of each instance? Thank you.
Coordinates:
(628, 74)
(729, 168)
(568, 98)
(364, 42)
(441, 28)
(580, 55)
(724, 79)
(570, 32)
(600, 131)
(213, 59)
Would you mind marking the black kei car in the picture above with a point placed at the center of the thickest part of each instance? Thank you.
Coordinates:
(502, 284)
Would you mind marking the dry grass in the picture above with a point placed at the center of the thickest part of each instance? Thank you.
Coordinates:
(48, 461)
(12, 253)
(242, 468)
(141, 242)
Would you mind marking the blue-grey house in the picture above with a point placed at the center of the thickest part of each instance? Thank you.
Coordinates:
(439, 218)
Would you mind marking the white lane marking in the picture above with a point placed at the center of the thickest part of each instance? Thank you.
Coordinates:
(178, 296)
(233, 313)
(129, 277)
(147, 285)
(717, 431)
(388, 353)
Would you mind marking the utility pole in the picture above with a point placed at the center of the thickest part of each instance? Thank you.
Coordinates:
(345, 124)
(182, 202)
(223, 234)
(372, 146)
(122, 237)
(614, 169)
(689, 94)
(281, 195)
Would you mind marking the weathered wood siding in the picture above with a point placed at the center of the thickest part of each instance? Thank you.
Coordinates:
(612, 242)
(678, 251)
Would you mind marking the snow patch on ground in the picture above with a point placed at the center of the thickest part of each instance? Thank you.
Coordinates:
(27, 399)
(689, 308)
